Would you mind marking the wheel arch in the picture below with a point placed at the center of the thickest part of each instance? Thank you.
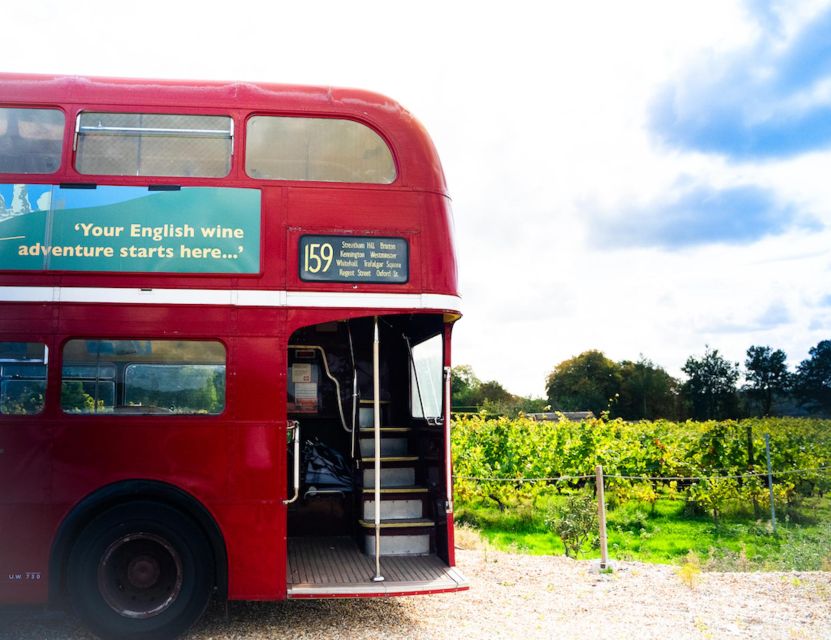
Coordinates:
(126, 491)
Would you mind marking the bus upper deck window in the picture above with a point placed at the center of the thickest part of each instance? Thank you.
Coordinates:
(319, 149)
(154, 144)
(30, 140)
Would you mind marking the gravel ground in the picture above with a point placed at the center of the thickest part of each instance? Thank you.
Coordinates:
(517, 596)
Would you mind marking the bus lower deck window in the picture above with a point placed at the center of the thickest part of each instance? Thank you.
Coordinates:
(22, 377)
(181, 377)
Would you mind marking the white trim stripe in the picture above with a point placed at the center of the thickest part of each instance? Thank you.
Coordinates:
(233, 297)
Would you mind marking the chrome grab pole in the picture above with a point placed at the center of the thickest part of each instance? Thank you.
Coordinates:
(448, 460)
(354, 387)
(376, 382)
(294, 427)
(354, 409)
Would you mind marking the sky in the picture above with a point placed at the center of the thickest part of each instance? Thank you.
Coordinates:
(644, 178)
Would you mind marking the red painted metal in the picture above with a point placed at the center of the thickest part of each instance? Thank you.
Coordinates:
(233, 464)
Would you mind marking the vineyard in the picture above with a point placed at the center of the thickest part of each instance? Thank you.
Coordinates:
(711, 472)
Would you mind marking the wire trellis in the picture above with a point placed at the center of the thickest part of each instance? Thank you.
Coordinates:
(824, 470)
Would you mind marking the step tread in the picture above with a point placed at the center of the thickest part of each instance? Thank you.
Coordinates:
(391, 477)
(413, 489)
(393, 459)
(400, 523)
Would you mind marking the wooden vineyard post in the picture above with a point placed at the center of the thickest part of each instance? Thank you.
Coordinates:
(601, 518)
(770, 484)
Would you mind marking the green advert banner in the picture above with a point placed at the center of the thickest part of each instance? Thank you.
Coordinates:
(129, 229)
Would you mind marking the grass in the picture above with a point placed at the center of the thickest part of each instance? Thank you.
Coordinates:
(668, 532)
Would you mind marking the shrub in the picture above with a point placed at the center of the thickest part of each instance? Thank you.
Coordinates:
(575, 522)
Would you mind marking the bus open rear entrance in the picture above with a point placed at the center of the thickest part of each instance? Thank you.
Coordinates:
(369, 512)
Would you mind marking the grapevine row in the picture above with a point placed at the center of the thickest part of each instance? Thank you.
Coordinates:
(710, 464)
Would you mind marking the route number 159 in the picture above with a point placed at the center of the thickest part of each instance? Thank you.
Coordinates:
(317, 257)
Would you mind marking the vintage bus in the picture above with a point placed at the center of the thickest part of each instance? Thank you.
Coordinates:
(225, 323)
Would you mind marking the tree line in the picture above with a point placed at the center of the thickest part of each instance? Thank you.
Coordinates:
(642, 390)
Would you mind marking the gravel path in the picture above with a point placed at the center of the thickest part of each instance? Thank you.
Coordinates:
(528, 597)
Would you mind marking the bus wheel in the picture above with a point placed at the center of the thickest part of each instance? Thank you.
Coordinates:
(140, 570)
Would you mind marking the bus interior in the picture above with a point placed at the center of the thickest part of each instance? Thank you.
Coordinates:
(331, 396)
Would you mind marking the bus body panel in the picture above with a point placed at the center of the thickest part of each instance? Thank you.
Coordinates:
(26, 530)
(25, 516)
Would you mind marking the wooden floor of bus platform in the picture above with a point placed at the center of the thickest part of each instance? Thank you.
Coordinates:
(335, 566)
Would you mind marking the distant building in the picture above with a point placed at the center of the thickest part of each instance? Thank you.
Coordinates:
(558, 416)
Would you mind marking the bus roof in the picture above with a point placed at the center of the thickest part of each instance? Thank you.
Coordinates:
(418, 163)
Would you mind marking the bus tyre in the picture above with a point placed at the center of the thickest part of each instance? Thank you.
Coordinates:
(140, 570)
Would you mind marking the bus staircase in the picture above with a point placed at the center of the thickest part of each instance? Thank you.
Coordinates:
(406, 525)
(338, 567)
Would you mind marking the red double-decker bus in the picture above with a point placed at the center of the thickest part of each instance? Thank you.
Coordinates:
(225, 322)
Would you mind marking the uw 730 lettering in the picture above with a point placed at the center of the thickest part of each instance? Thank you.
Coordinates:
(25, 576)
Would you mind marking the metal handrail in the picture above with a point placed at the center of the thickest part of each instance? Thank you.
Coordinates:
(100, 129)
(330, 376)
(448, 461)
(355, 393)
(294, 427)
(157, 131)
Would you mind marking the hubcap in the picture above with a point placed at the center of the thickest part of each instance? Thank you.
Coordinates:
(140, 575)
(143, 572)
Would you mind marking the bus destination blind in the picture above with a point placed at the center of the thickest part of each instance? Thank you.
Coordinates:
(368, 259)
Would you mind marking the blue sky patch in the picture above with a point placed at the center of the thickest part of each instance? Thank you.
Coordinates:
(739, 215)
(767, 101)
(775, 316)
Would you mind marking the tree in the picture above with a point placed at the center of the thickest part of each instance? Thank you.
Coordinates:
(647, 392)
(464, 387)
(767, 374)
(529, 404)
(711, 386)
(468, 392)
(497, 399)
(587, 382)
(494, 392)
(812, 382)
(74, 399)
